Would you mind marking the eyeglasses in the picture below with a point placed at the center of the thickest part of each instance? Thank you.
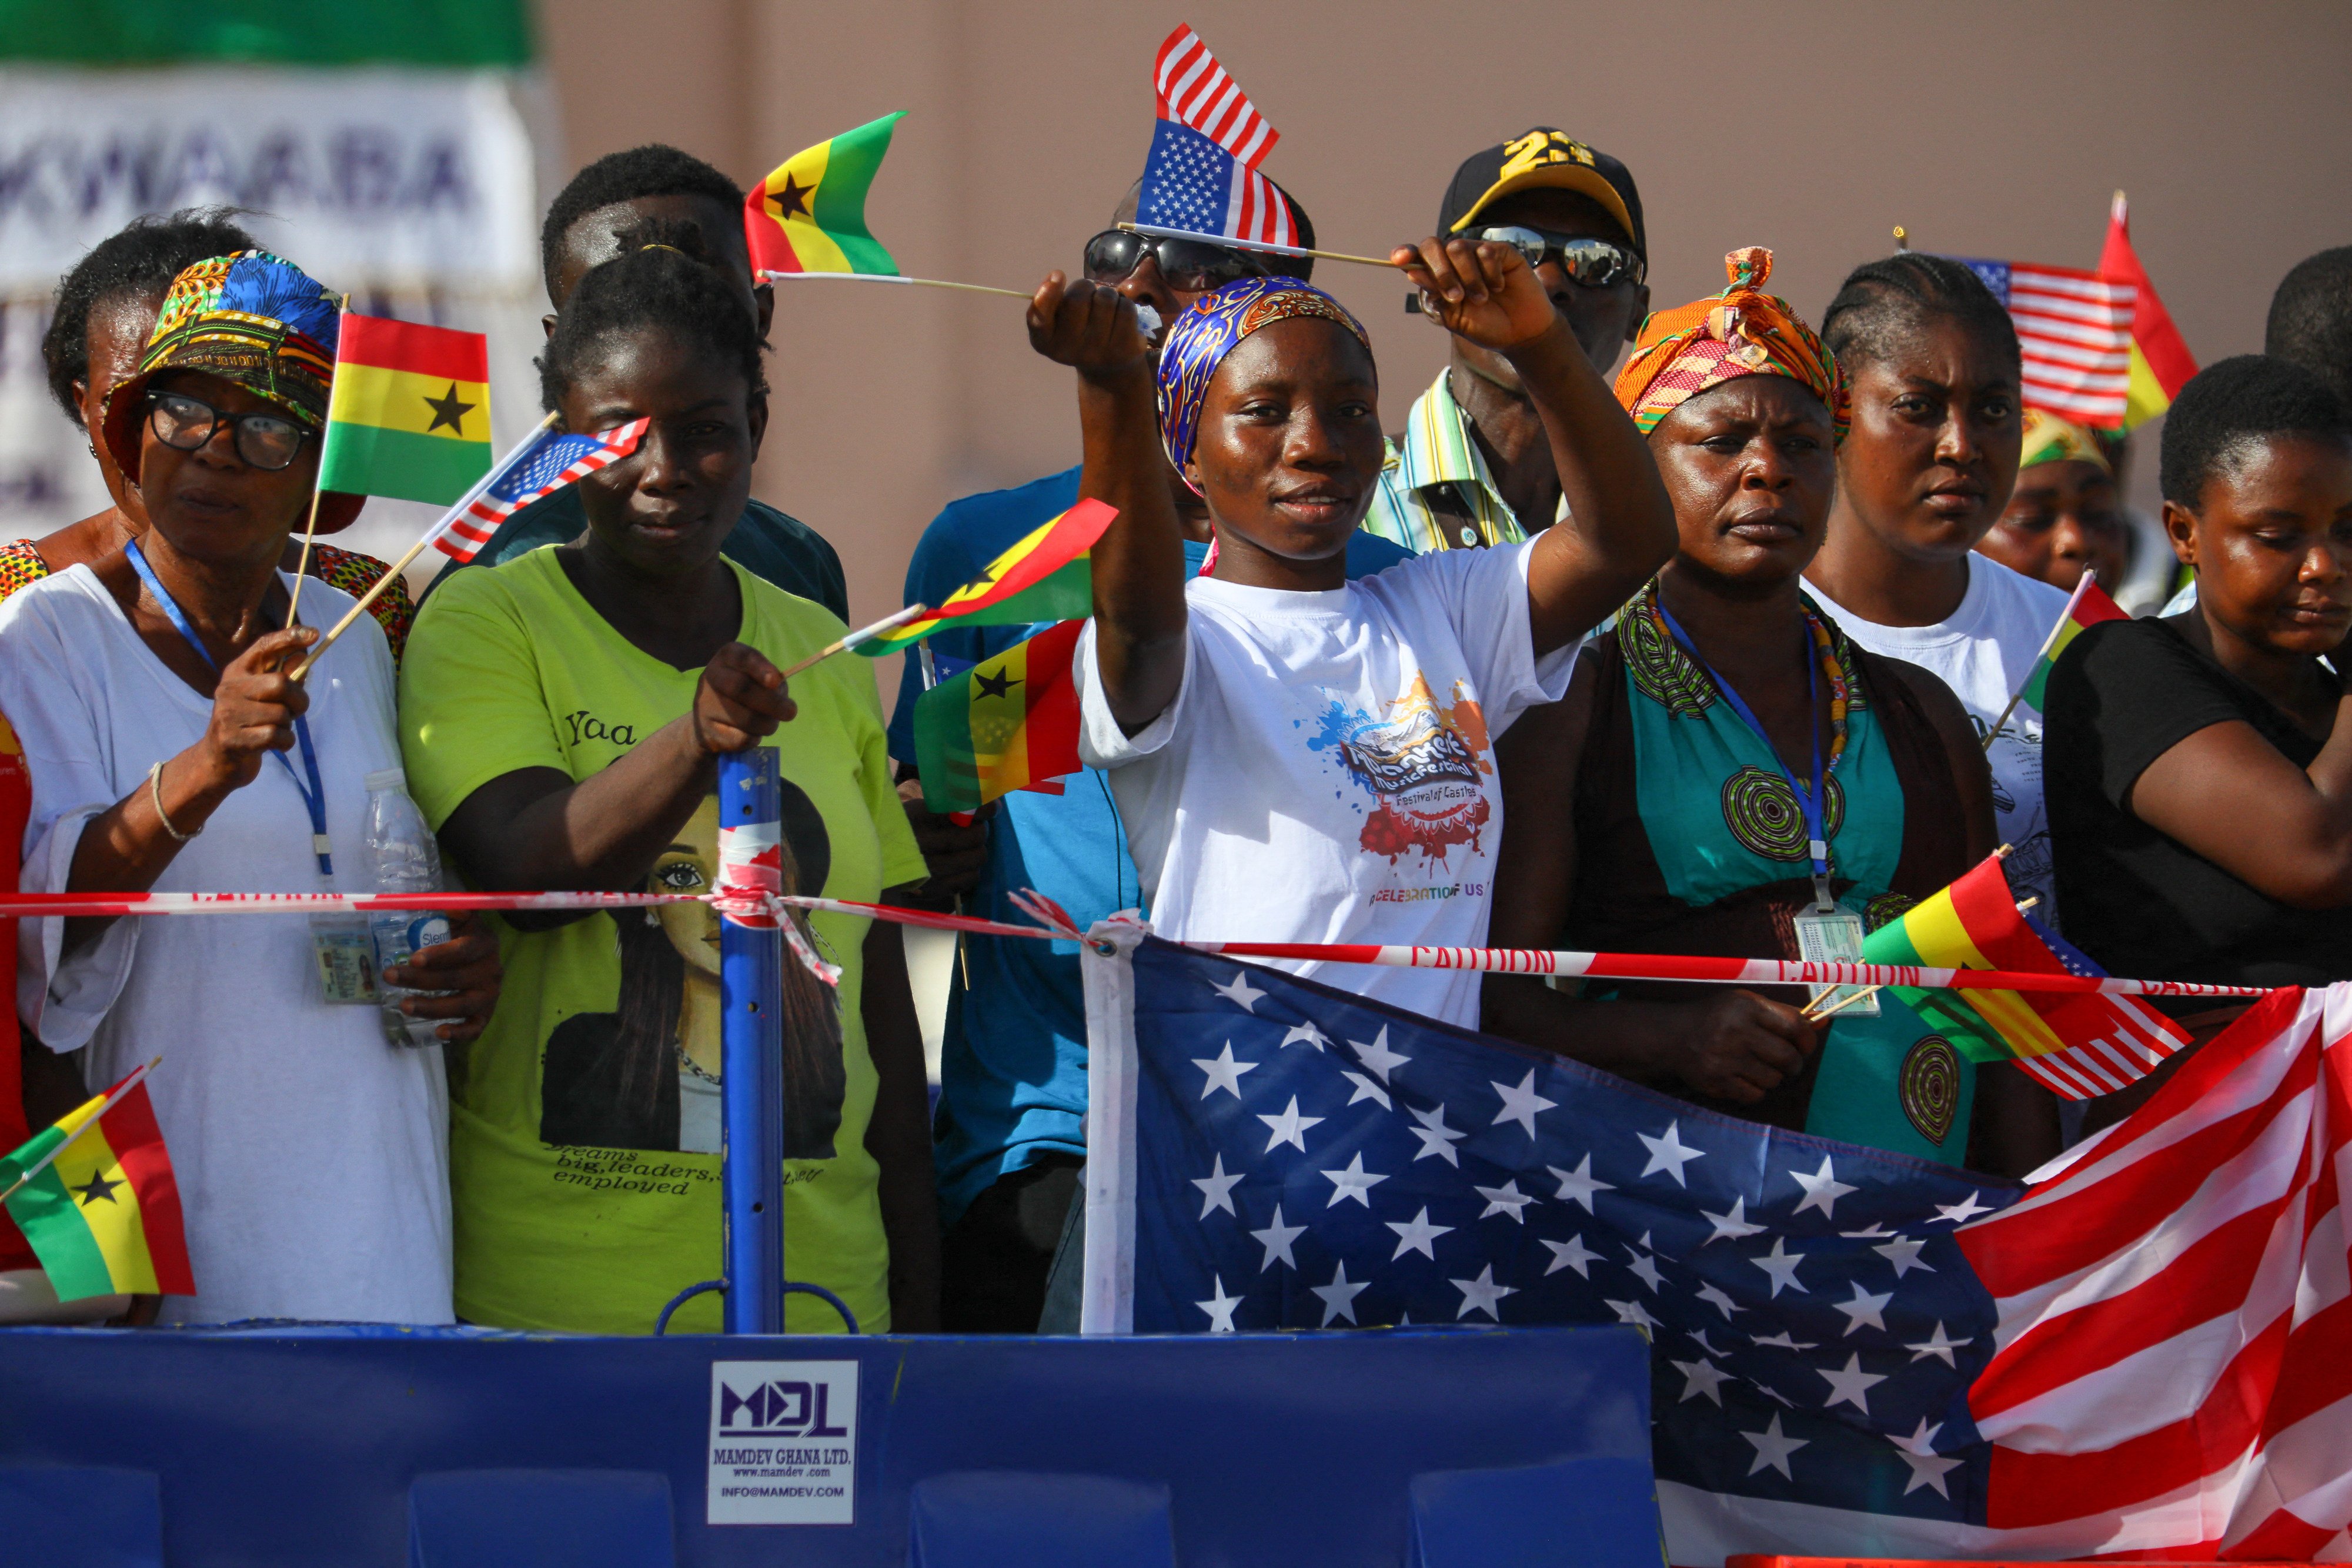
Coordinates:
(187, 424)
(1594, 263)
(1113, 256)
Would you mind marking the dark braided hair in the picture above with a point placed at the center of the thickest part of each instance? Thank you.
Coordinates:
(2311, 318)
(142, 258)
(653, 170)
(2234, 404)
(1882, 303)
(665, 279)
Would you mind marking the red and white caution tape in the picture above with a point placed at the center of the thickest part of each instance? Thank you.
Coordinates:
(751, 870)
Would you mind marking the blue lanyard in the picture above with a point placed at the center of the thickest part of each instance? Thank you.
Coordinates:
(314, 796)
(1810, 804)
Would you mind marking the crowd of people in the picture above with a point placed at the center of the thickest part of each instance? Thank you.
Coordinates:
(1717, 659)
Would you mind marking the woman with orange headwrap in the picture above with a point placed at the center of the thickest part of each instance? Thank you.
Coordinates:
(1728, 775)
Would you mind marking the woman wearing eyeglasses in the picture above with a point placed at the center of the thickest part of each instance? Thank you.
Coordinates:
(105, 310)
(1471, 465)
(169, 750)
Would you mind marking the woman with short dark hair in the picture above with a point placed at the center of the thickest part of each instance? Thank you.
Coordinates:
(2200, 765)
(564, 713)
(1923, 475)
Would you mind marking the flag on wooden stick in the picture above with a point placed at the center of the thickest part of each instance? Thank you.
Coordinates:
(409, 416)
(94, 1194)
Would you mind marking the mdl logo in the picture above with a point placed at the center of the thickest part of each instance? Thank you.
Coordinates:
(777, 1408)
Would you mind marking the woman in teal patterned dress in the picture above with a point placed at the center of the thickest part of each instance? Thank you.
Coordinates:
(1665, 805)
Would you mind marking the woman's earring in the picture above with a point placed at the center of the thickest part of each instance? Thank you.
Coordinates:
(652, 915)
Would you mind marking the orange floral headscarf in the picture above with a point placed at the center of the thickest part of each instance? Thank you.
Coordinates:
(1743, 331)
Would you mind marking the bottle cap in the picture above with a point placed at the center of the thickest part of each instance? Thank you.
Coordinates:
(387, 779)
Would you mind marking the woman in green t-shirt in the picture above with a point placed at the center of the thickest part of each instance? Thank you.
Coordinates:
(562, 716)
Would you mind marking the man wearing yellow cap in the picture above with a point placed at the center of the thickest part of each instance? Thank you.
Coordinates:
(1471, 465)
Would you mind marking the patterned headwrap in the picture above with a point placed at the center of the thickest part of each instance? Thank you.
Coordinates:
(253, 319)
(2051, 439)
(1215, 325)
(1743, 331)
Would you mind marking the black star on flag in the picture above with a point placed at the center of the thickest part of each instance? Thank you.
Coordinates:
(449, 413)
(96, 1188)
(793, 198)
(996, 685)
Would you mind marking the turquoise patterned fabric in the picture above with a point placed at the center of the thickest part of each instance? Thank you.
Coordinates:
(1718, 810)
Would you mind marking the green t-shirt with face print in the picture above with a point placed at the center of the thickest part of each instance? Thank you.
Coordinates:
(583, 1145)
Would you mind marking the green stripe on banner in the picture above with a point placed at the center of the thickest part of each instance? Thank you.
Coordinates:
(44, 1210)
(1947, 1012)
(840, 206)
(369, 460)
(2037, 686)
(346, 33)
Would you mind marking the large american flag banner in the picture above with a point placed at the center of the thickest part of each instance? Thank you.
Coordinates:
(2147, 1349)
(541, 464)
(1201, 177)
(2073, 330)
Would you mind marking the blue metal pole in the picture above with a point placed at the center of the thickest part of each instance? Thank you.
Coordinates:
(750, 979)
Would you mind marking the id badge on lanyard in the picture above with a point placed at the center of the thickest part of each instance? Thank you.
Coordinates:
(1826, 932)
(344, 956)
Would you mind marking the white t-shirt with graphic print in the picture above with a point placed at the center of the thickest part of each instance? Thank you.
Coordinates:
(1327, 772)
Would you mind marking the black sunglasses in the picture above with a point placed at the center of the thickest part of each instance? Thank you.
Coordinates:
(1113, 256)
(1594, 263)
(187, 424)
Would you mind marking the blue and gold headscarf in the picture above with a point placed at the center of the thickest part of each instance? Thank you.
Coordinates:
(1215, 325)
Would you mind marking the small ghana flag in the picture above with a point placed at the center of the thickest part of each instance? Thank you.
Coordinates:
(1008, 723)
(809, 214)
(101, 1206)
(410, 413)
(2077, 1044)
(1043, 578)
(2161, 363)
(2088, 607)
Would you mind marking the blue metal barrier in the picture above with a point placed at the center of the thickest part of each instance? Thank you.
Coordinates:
(338, 1448)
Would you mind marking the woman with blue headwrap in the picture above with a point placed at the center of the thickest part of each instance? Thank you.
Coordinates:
(1297, 756)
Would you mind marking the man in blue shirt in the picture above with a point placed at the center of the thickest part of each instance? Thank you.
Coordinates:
(1011, 1128)
(582, 230)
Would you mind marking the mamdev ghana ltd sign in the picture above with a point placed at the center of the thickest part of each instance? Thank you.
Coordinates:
(783, 1442)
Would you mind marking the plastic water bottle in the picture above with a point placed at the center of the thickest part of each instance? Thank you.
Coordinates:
(406, 859)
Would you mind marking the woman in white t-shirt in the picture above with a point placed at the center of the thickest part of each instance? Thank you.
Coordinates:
(169, 749)
(1922, 478)
(1298, 758)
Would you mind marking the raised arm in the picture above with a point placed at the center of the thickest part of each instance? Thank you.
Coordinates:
(1139, 562)
(1621, 527)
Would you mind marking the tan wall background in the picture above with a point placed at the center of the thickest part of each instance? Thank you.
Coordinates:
(1988, 129)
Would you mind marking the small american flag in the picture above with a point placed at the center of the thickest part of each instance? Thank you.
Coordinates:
(543, 463)
(1201, 177)
(2147, 1350)
(2075, 330)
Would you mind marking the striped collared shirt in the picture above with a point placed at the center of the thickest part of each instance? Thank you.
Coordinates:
(1436, 492)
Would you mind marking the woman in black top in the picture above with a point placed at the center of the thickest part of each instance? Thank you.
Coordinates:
(2200, 768)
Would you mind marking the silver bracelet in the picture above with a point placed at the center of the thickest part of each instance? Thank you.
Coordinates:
(155, 795)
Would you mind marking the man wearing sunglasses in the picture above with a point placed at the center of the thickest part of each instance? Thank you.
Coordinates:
(1011, 1128)
(1472, 466)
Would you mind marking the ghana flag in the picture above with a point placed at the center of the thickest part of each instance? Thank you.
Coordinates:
(1043, 578)
(1008, 723)
(809, 214)
(2078, 1044)
(94, 1194)
(2088, 607)
(410, 413)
